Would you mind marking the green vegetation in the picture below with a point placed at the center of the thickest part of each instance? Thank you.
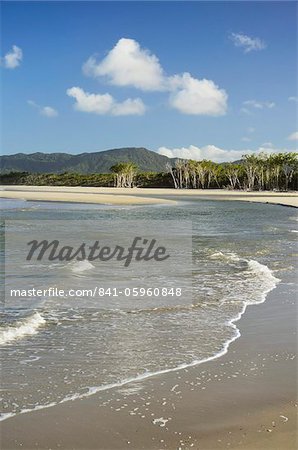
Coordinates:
(278, 171)
(142, 179)
(53, 179)
(99, 162)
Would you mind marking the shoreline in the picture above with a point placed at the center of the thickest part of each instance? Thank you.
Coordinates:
(144, 377)
(140, 196)
(244, 398)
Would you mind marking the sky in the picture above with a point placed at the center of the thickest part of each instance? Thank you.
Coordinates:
(197, 80)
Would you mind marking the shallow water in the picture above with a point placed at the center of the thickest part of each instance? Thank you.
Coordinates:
(55, 353)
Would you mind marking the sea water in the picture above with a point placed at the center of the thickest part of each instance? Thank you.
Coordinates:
(52, 354)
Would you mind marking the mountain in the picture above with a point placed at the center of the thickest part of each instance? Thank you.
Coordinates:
(99, 162)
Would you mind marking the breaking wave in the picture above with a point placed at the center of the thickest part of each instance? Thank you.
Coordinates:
(26, 327)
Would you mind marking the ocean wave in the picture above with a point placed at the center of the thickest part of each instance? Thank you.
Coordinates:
(264, 277)
(228, 256)
(26, 327)
(259, 280)
(81, 266)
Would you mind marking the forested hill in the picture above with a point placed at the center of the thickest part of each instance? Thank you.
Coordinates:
(99, 162)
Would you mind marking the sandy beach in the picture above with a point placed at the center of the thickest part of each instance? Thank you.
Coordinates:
(148, 245)
(140, 196)
(77, 195)
(245, 399)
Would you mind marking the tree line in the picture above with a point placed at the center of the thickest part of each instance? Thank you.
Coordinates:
(276, 171)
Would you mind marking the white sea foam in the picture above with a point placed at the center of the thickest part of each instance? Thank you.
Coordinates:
(81, 266)
(31, 359)
(229, 257)
(25, 327)
(161, 422)
(264, 277)
(4, 416)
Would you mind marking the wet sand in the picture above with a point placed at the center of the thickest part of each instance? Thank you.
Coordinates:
(140, 196)
(246, 399)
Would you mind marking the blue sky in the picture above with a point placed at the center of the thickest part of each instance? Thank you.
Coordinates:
(144, 85)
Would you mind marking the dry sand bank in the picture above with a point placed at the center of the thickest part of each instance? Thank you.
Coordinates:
(244, 400)
(140, 196)
(78, 195)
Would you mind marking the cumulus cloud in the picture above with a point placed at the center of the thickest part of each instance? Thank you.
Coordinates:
(105, 103)
(46, 111)
(201, 97)
(13, 58)
(293, 136)
(247, 43)
(211, 152)
(293, 99)
(127, 64)
(198, 153)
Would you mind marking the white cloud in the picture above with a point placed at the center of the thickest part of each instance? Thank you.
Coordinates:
(129, 107)
(13, 58)
(251, 129)
(293, 136)
(198, 153)
(47, 111)
(293, 99)
(267, 144)
(200, 97)
(245, 139)
(105, 103)
(211, 152)
(127, 64)
(258, 105)
(247, 43)
(250, 105)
